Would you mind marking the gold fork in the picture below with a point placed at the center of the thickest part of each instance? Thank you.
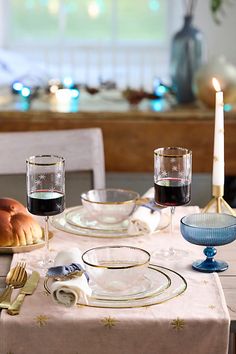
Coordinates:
(10, 276)
(16, 278)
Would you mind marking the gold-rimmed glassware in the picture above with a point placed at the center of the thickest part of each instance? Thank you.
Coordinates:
(116, 268)
(172, 183)
(45, 179)
(177, 287)
(109, 206)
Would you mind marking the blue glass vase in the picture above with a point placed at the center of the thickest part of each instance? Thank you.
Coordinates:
(186, 59)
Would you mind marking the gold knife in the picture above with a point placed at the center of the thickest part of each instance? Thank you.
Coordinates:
(28, 289)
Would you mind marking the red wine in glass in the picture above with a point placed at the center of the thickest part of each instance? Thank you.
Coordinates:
(172, 191)
(45, 202)
(172, 184)
(45, 180)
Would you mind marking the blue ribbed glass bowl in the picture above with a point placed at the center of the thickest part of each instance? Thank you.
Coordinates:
(209, 229)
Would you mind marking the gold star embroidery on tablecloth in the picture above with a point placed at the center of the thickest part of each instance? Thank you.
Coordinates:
(212, 307)
(178, 324)
(41, 320)
(109, 322)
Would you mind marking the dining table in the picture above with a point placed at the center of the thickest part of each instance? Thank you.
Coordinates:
(199, 316)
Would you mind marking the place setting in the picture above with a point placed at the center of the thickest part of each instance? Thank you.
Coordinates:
(123, 275)
(111, 277)
(113, 213)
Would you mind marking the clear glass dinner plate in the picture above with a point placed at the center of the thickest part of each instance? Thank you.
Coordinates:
(176, 287)
(154, 282)
(79, 217)
(60, 222)
(69, 222)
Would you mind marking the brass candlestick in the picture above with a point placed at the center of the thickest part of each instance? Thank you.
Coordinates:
(218, 201)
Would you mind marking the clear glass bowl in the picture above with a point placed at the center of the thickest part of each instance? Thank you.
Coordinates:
(109, 206)
(116, 268)
(209, 229)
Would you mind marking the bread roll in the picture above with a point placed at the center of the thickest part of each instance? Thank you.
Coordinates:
(12, 206)
(17, 226)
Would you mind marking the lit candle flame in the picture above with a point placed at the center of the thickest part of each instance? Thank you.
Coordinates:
(216, 84)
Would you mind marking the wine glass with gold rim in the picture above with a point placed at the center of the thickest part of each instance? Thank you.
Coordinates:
(172, 183)
(45, 179)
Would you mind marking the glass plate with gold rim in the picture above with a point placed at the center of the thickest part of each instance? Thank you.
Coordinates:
(154, 282)
(178, 286)
(79, 217)
(60, 222)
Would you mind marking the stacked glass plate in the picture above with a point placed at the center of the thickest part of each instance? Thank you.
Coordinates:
(159, 284)
(77, 221)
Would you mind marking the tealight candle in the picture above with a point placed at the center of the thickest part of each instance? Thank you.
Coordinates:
(218, 159)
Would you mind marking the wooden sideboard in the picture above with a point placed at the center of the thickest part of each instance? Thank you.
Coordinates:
(131, 136)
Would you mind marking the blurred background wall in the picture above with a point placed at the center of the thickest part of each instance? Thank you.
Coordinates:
(36, 46)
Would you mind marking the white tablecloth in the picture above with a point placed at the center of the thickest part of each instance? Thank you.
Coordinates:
(196, 322)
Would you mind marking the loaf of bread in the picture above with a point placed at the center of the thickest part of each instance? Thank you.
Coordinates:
(17, 226)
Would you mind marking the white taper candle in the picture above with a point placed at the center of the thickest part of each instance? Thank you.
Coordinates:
(218, 175)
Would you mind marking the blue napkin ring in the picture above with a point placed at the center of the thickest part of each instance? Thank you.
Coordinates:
(151, 204)
(66, 272)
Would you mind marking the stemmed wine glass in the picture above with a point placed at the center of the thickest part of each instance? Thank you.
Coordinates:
(45, 179)
(172, 183)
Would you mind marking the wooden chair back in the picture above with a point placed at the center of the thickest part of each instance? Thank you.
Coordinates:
(82, 149)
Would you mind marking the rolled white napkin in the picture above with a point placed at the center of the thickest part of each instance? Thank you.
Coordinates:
(144, 219)
(68, 292)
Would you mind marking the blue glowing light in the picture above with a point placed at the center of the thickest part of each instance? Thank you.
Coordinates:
(157, 105)
(25, 105)
(160, 90)
(74, 107)
(17, 86)
(154, 5)
(74, 93)
(228, 107)
(25, 92)
(68, 82)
